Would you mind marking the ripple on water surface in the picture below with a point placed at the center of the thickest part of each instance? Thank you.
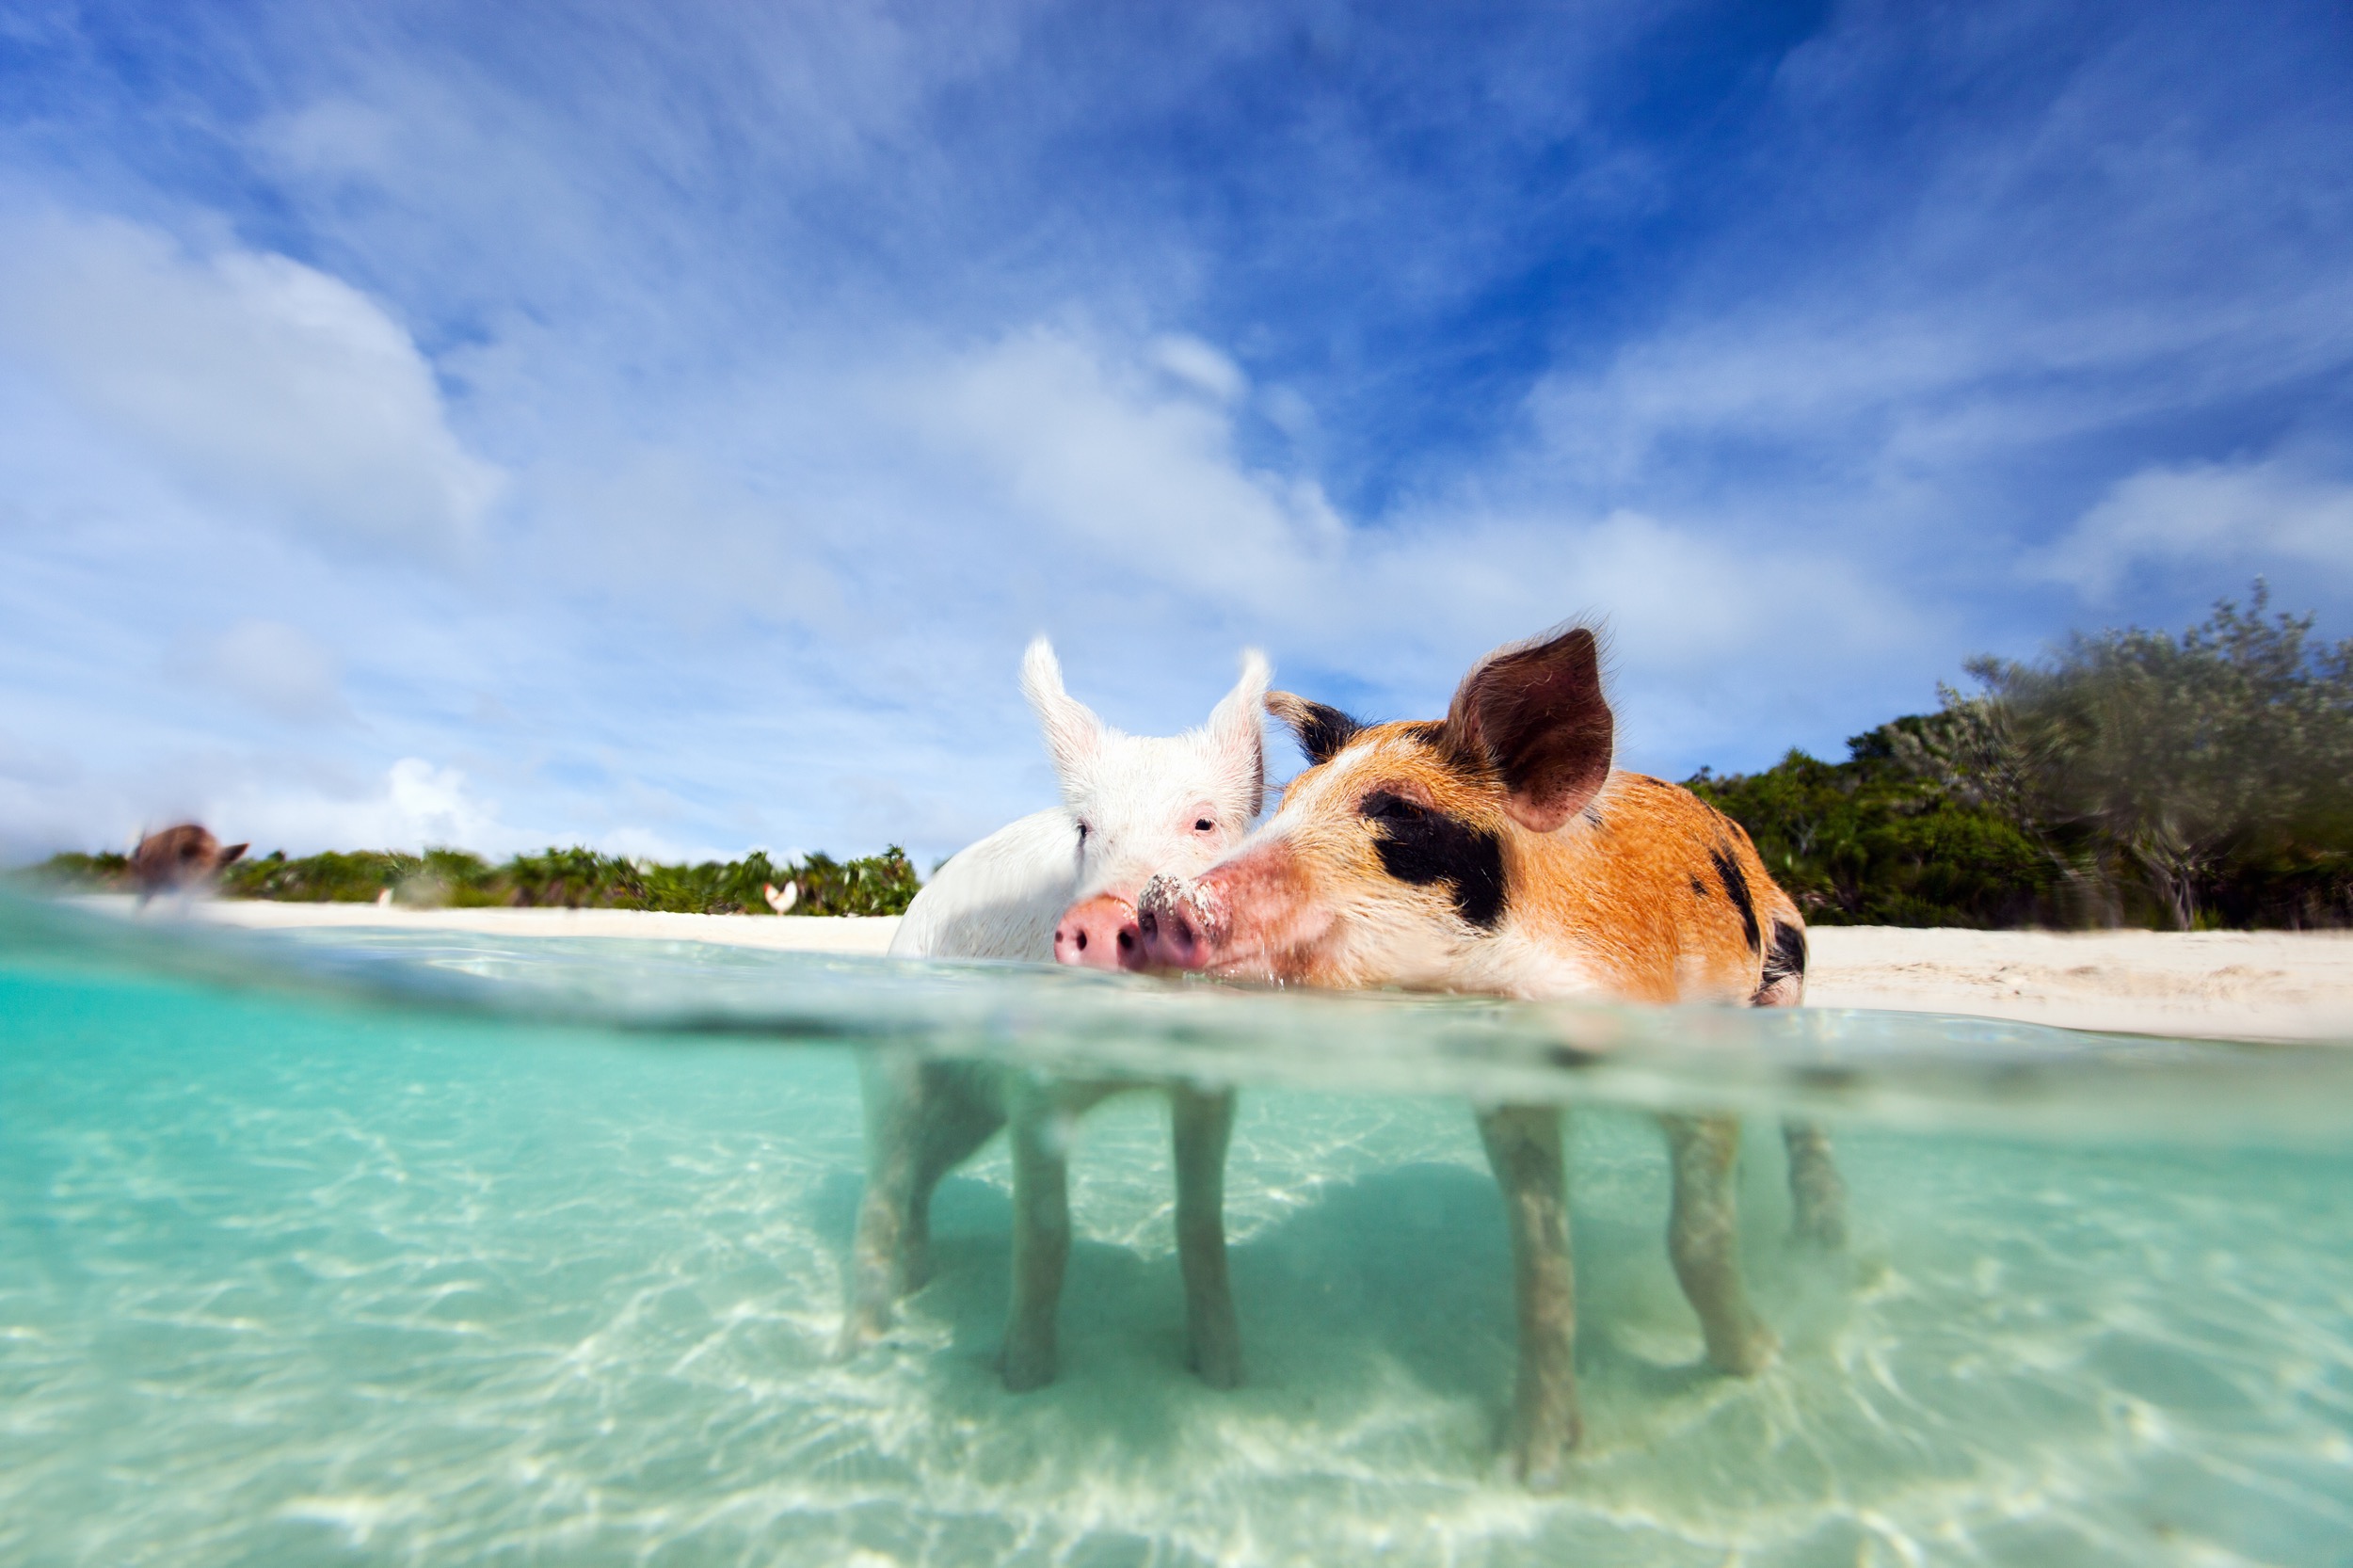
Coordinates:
(285, 1280)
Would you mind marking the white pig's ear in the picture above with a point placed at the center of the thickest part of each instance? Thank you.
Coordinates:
(1237, 728)
(1073, 733)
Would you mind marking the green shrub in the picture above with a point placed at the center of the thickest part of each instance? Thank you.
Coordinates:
(73, 872)
(881, 884)
(2205, 775)
(2133, 778)
(574, 878)
(357, 877)
(1867, 843)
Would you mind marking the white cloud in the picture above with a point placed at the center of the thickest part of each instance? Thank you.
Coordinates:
(334, 138)
(1073, 436)
(2272, 516)
(295, 804)
(412, 805)
(1682, 597)
(1200, 366)
(1125, 487)
(281, 669)
(1791, 464)
(259, 382)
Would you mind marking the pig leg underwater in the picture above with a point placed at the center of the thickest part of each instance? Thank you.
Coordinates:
(1524, 1148)
(1040, 1129)
(1201, 1126)
(1703, 1241)
(1817, 1193)
(922, 1120)
(1043, 1112)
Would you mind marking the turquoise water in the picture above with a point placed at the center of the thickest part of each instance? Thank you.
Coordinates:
(375, 1249)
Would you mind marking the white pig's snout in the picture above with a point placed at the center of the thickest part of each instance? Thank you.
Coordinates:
(1099, 932)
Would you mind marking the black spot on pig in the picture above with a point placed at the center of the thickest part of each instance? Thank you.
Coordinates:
(1736, 888)
(1420, 847)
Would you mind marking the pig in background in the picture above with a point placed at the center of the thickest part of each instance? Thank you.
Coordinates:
(1499, 851)
(1061, 883)
(179, 860)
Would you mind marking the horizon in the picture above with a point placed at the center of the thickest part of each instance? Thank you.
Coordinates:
(661, 431)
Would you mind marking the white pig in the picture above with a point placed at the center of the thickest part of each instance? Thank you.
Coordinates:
(1061, 885)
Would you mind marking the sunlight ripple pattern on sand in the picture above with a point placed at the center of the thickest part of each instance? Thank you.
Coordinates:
(289, 1279)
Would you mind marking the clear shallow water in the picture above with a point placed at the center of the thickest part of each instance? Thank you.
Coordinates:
(372, 1249)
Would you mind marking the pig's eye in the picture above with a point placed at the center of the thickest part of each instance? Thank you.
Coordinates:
(1381, 806)
(1205, 825)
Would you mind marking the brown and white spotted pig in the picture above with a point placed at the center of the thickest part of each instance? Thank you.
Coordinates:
(1498, 852)
(182, 859)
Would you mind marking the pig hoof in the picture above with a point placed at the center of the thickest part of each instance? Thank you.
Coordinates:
(1747, 1354)
(1539, 1450)
(1025, 1365)
(859, 1334)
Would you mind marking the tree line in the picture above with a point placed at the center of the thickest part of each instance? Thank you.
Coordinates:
(2132, 777)
(572, 878)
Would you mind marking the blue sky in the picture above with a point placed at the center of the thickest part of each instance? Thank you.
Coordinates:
(661, 426)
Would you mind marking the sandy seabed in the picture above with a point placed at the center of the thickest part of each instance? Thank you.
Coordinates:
(2222, 985)
(286, 1280)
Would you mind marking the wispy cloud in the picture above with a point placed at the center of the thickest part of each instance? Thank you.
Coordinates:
(279, 669)
(266, 386)
(2235, 518)
(665, 427)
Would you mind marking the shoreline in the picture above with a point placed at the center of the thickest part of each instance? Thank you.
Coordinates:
(2282, 986)
(848, 933)
(2218, 984)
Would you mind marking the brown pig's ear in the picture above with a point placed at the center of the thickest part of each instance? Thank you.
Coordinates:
(1535, 714)
(1322, 731)
(232, 853)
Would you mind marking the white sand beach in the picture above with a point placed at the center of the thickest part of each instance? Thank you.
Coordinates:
(2218, 984)
(789, 933)
(2229, 985)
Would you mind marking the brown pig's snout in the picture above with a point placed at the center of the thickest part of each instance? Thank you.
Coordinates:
(1099, 932)
(1170, 916)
